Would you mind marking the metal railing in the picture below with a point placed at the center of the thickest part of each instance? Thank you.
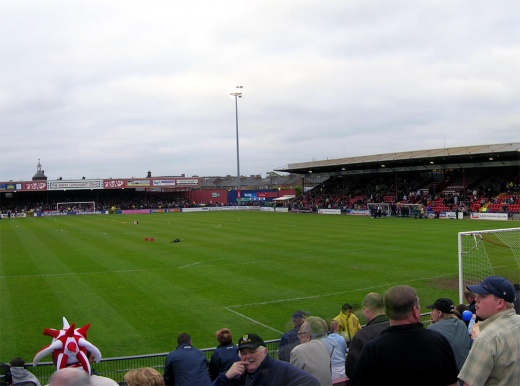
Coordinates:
(116, 368)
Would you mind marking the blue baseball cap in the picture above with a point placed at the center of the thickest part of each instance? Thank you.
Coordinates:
(496, 285)
(300, 314)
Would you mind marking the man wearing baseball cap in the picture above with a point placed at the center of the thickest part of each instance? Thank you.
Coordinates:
(290, 339)
(446, 323)
(256, 367)
(494, 358)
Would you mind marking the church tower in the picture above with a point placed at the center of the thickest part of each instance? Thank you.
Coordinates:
(40, 174)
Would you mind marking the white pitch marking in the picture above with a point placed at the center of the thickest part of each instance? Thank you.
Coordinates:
(81, 273)
(191, 265)
(254, 321)
(331, 294)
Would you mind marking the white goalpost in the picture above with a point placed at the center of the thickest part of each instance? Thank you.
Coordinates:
(485, 253)
(76, 206)
(376, 207)
(411, 210)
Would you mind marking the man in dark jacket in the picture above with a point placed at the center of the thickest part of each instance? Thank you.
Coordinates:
(256, 367)
(224, 355)
(405, 353)
(186, 365)
(290, 339)
(377, 321)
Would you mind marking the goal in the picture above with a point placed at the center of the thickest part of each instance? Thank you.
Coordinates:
(411, 210)
(493, 252)
(76, 206)
(374, 208)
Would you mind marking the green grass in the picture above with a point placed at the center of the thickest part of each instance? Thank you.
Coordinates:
(244, 270)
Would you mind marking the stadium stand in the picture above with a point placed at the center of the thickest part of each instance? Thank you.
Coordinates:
(440, 179)
(502, 197)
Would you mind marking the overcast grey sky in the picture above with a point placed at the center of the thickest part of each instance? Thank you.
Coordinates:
(117, 88)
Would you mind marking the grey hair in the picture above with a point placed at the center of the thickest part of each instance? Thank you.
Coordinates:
(374, 302)
(316, 327)
(70, 377)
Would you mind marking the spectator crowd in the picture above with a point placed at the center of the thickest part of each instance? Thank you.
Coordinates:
(469, 344)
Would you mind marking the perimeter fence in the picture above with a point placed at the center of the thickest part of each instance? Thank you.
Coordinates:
(116, 368)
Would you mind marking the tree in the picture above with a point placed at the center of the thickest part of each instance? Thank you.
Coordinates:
(270, 175)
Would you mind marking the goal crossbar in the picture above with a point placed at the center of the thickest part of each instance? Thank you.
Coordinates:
(494, 252)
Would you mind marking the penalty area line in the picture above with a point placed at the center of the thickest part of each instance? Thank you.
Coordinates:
(253, 320)
(333, 293)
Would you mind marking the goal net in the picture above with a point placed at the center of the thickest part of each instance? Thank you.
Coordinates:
(379, 209)
(411, 210)
(488, 253)
(77, 206)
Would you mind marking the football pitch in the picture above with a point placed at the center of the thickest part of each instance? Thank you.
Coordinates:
(246, 270)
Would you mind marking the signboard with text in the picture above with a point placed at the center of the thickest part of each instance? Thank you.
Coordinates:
(74, 185)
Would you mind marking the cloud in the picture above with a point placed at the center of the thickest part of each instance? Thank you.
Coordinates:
(115, 89)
